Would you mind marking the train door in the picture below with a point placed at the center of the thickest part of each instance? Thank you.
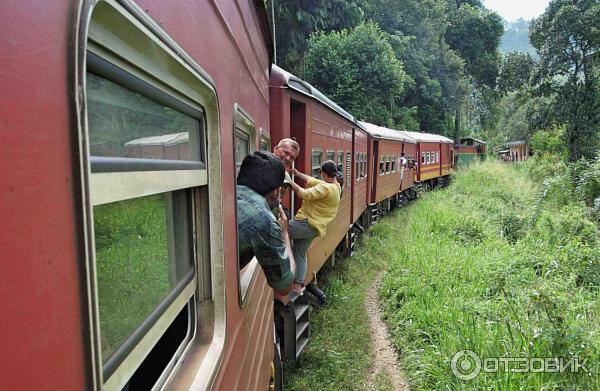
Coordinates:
(299, 131)
(354, 174)
(440, 159)
(376, 169)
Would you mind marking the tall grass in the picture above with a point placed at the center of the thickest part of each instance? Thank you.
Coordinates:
(484, 266)
(339, 354)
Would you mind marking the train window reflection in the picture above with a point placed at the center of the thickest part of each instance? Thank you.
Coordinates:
(124, 123)
(143, 252)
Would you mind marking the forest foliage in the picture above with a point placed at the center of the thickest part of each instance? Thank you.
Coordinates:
(438, 67)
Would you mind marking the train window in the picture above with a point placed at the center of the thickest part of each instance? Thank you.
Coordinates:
(128, 124)
(364, 170)
(348, 170)
(340, 161)
(245, 143)
(316, 163)
(381, 166)
(146, 146)
(423, 158)
(360, 166)
(357, 165)
(387, 165)
(241, 147)
(142, 232)
(144, 243)
(265, 141)
(394, 164)
(244, 136)
(331, 155)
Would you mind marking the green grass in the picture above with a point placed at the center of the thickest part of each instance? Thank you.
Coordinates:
(339, 356)
(468, 267)
(132, 265)
(476, 272)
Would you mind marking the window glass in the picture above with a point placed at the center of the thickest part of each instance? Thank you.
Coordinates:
(242, 148)
(387, 165)
(264, 145)
(340, 162)
(330, 155)
(316, 163)
(143, 246)
(143, 251)
(423, 157)
(124, 123)
(394, 164)
(381, 167)
(357, 164)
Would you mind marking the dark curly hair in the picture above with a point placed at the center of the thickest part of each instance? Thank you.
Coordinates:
(261, 171)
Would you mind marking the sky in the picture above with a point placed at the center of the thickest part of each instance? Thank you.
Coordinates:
(512, 10)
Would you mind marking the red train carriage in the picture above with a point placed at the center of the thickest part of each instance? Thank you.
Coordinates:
(389, 181)
(120, 257)
(325, 132)
(434, 158)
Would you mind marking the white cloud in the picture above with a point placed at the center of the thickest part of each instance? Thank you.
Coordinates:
(514, 9)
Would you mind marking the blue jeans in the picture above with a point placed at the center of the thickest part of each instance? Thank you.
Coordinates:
(302, 234)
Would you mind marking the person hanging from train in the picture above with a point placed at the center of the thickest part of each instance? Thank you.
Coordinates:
(287, 150)
(339, 177)
(320, 201)
(260, 233)
(403, 165)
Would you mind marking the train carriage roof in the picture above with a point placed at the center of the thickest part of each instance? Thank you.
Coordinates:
(299, 85)
(466, 139)
(385, 133)
(428, 137)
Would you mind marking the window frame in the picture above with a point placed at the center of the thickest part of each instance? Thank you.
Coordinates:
(117, 179)
(245, 124)
(164, 65)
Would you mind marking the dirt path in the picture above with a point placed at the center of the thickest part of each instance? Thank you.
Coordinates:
(385, 356)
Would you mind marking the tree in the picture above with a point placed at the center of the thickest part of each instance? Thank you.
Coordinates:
(516, 70)
(416, 29)
(474, 33)
(358, 69)
(296, 20)
(567, 38)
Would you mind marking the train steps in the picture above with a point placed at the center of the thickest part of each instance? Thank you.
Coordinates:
(292, 322)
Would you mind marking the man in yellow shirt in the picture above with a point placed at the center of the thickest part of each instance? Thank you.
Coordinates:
(320, 201)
